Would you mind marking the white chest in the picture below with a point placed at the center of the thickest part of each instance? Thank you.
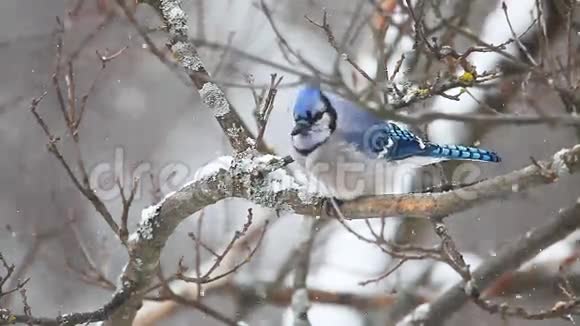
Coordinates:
(337, 169)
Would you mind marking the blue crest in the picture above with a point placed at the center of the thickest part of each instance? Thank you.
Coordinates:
(306, 102)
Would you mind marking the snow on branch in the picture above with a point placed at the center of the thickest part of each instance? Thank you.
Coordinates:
(262, 180)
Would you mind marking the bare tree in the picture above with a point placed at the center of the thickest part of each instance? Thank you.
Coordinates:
(171, 232)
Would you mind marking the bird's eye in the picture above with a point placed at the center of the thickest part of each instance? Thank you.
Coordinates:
(318, 116)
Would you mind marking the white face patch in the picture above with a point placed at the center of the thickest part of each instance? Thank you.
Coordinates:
(323, 123)
(318, 134)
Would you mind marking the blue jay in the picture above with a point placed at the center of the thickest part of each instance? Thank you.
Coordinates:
(351, 152)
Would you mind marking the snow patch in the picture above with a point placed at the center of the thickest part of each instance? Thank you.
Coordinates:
(559, 165)
(147, 224)
(212, 168)
(300, 302)
(552, 255)
(276, 180)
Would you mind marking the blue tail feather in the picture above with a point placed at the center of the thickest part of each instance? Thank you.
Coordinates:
(458, 152)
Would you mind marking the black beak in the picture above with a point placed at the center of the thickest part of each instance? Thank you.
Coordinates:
(301, 127)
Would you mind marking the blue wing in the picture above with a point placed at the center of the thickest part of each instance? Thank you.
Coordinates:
(387, 140)
(392, 142)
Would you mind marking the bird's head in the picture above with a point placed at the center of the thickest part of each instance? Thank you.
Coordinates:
(314, 120)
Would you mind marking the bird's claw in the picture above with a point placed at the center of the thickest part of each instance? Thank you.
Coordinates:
(328, 208)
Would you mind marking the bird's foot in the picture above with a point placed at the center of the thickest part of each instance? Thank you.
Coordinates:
(330, 206)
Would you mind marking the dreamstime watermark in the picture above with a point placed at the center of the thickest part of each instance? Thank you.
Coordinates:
(342, 178)
(104, 177)
(346, 179)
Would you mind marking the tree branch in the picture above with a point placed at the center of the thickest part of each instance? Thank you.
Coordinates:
(566, 161)
(100, 314)
(300, 300)
(508, 258)
(260, 180)
(211, 94)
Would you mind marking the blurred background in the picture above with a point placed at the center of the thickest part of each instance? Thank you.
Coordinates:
(143, 119)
